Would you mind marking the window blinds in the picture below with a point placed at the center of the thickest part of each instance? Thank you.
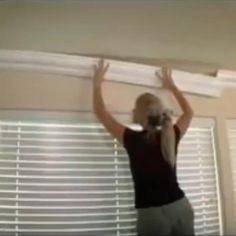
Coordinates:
(74, 179)
(232, 143)
(198, 177)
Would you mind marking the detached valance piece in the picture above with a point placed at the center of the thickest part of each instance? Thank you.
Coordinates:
(123, 72)
(228, 76)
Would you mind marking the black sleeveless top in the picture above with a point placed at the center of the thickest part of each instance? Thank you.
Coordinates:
(155, 181)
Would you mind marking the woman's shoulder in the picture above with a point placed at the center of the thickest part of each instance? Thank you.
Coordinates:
(131, 136)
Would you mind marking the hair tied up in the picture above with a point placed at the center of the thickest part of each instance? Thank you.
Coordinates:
(154, 120)
(155, 116)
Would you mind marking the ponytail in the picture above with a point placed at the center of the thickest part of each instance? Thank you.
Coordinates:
(154, 120)
(167, 134)
(168, 140)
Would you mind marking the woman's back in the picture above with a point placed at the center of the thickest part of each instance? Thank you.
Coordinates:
(154, 178)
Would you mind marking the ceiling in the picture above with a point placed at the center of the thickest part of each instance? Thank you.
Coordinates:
(201, 32)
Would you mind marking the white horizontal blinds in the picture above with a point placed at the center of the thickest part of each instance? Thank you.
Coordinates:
(197, 173)
(69, 179)
(232, 142)
(74, 179)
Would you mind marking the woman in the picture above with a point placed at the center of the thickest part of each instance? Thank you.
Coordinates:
(162, 206)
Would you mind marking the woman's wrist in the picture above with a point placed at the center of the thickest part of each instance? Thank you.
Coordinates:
(172, 87)
(97, 83)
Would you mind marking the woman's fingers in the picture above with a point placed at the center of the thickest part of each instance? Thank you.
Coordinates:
(158, 75)
(106, 68)
(164, 70)
(100, 68)
(169, 72)
(165, 76)
(101, 63)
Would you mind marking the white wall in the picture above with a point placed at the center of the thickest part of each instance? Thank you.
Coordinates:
(202, 30)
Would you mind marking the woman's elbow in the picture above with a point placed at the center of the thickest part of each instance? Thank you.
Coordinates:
(189, 112)
(99, 112)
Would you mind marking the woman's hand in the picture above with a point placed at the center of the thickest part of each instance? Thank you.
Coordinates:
(99, 71)
(184, 120)
(166, 77)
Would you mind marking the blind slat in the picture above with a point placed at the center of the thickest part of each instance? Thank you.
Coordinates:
(59, 162)
(77, 170)
(65, 177)
(68, 192)
(121, 206)
(67, 200)
(100, 214)
(76, 230)
(35, 154)
(129, 184)
(67, 222)
(61, 148)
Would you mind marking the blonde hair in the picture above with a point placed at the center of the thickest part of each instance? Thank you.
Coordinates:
(151, 114)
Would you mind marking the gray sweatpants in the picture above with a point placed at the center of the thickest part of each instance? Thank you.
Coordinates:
(176, 218)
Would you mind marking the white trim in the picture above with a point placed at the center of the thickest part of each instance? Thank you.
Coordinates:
(125, 72)
(228, 76)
